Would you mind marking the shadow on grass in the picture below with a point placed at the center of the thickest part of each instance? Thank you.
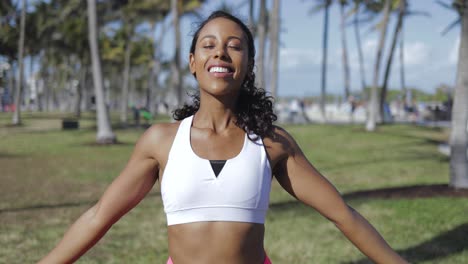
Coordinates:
(405, 192)
(426, 138)
(404, 157)
(408, 192)
(440, 246)
(6, 155)
(58, 205)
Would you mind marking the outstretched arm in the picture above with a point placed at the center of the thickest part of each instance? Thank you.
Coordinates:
(125, 192)
(302, 180)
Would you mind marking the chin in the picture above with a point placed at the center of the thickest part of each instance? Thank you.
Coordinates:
(222, 91)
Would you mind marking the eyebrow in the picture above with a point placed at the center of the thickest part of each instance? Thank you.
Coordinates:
(214, 37)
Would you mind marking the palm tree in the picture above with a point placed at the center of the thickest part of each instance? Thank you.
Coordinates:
(325, 5)
(459, 134)
(274, 46)
(396, 34)
(261, 30)
(19, 84)
(357, 34)
(251, 18)
(175, 64)
(373, 104)
(129, 28)
(404, 91)
(104, 133)
(156, 65)
(344, 48)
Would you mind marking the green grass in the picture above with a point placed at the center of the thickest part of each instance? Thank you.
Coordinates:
(49, 177)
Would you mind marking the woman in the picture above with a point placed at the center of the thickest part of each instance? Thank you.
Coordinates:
(216, 165)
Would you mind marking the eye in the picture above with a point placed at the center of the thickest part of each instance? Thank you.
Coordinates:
(208, 46)
(235, 47)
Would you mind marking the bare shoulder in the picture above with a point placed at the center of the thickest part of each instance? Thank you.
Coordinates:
(279, 145)
(162, 131)
(280, 139)
(157, 139)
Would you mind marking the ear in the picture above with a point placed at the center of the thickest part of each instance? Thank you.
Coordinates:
(192, 63)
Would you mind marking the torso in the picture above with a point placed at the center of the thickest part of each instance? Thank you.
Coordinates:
(215, 242)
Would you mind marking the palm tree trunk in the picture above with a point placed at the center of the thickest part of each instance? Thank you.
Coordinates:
(274, 46)
(323, 93)
(251, 18)
(126, 74)
(261, 26)
(404, 102)
(19, 84)
(156, 69)
(11, 78)
(459, 134)
(175, 66)
(86, 95)
(359, 47)
(104, 133)
(80, 89)
(396, 34)
(344, 52)
(373, 105)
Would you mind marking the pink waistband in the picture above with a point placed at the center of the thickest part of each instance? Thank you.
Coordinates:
(267, 260)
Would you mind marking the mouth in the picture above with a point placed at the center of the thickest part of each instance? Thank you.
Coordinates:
(220, 69)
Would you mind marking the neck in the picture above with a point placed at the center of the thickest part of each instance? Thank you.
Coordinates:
(216, 113)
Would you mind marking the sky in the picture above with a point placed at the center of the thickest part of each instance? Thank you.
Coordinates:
(430, 58)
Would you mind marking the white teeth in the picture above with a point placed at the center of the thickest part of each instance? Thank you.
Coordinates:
(219, 69)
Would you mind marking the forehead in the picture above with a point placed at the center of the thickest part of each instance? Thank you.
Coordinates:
(220, 27)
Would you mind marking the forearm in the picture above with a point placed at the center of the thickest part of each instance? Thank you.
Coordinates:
(366, 238)
(80, 237)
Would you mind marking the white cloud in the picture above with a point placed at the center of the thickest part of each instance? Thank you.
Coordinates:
(416, 53)
(294, 58)
(453, 57)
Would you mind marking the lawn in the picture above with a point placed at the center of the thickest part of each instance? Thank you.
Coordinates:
(49, 177)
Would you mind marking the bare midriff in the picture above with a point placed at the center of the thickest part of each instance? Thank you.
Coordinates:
(216, 242)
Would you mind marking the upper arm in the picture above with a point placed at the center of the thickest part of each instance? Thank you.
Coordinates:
(303, 181)
(135, 180)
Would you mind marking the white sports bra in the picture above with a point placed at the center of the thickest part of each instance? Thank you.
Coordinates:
(191, 192)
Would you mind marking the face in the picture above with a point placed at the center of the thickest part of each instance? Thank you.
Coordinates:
(220, 61)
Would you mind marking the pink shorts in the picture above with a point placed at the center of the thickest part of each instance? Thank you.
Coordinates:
(267, 260)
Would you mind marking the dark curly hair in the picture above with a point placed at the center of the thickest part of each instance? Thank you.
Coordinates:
(254, 109)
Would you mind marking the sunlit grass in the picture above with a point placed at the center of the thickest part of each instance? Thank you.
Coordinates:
(49, 177)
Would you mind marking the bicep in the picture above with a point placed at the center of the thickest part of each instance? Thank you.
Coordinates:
(130, 187)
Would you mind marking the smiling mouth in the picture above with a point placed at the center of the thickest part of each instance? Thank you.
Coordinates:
(218, 69)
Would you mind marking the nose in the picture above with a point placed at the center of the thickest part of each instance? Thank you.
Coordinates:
(221, 52)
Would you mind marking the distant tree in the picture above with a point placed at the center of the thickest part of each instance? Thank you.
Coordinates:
(129, 28)
(396, 34)
(175, 65)
(356, 25)
(274, 45)
(401, 51)
(19, 84)
(344, 49)
(459, 134)
(325, 6)
(104, 130)
(262, 36)
(251, 18)
(373, 104)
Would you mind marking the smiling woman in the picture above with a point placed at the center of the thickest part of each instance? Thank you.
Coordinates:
(230, 58)
(216, 165)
